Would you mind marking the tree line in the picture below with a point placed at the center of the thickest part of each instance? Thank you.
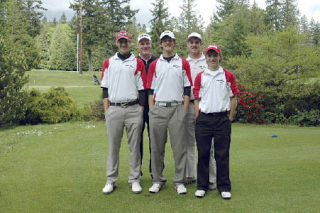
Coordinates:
(273, 51)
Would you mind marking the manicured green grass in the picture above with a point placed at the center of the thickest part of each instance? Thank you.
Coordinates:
(80, 87)
(61, 168)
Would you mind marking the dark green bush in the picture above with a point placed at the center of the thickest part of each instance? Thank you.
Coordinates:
(306, 118)
(53, 106)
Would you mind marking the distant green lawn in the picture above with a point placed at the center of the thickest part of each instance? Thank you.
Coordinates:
(80, 87)
(61, 168)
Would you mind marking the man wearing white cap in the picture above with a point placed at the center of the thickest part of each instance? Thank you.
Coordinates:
(123, 83)
(145, 47)
(215, 92)
(198, 64)
(169, 83)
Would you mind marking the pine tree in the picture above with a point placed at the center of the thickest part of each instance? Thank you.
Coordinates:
(16, 27)
(159, 23)
(289, 13)
(62, 49)
(63, 18)
(225, 8)
(33, 13)
(101, 20)
(12, 62)
(315, 32)
(273, 14)
(303, 24)
(186, 23)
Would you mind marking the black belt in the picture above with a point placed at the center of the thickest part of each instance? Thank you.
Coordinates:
(215, 114)
(124, 104)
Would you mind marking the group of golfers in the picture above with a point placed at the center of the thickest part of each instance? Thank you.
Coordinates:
(193, 98)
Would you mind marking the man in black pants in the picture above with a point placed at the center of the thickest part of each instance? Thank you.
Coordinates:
(215, 93)
(145, 47)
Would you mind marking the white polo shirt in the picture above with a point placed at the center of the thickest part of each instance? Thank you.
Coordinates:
(123, 78)
(168, 79)
(197, 65)
(215, 88)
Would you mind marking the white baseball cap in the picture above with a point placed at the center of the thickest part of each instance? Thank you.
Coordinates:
(194, 35)
(167, 33)
(144, 35)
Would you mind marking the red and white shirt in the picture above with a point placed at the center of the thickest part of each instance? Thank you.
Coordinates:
(168, 79)
(197, 65)
(215, 88)
(123, 78)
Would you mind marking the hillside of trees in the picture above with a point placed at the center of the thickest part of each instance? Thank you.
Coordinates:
(274, 52)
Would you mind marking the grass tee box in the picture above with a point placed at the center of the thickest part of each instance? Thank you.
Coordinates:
(80, 87)
(61, 168)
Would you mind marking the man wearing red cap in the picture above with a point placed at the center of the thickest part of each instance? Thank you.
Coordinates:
(215, 93)
(123, 83)
(197, 63)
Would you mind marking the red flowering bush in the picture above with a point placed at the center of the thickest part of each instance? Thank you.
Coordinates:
(250, 108)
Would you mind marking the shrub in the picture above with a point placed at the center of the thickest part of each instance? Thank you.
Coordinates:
(306, 118)
(53, 106)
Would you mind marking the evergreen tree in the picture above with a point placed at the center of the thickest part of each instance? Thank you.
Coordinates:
(120, 17)
(62, 49)
(188, 20)
(225, 8)
(187, 23)
(304, 25)
(16, 27)
(101, 20)
(231, 33)
(289, 13)
(12, 63)
(43, 42)
(12, 72)
(281, 14)
(315, 32)
(159, 23)
(273, 14)
(63, 18)
(33, 13)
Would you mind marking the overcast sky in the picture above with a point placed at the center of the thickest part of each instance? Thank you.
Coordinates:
(310, 8)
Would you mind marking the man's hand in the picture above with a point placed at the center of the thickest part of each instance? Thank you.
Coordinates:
(196, 108)
(150, 101)
(106, 104)
(233, 106)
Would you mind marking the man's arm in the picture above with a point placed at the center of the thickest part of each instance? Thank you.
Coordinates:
(233, 106)
(196, 107)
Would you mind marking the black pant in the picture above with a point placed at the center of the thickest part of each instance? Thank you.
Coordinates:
(218, 126)
(145, 120)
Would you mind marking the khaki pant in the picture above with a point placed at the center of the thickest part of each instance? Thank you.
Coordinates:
(116, 119)
(191, 149)
(160, 119)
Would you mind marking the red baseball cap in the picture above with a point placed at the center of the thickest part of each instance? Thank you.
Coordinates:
(213, 47)
(123, 34)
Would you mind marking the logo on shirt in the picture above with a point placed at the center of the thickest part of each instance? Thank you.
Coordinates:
(176, 66)
(202, 67)
(129, 65)
(220, 81)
